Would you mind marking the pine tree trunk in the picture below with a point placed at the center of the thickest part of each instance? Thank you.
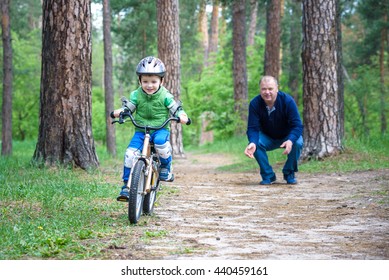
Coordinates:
(239, 61)
(383, 47)
(321, 80)
(339, 69)
(214, 38)
(273, 38)
(169, 52)
(65, 129)
(253, 22)
(109, 94)
(295, 49)
(6, 111)
(203, 29)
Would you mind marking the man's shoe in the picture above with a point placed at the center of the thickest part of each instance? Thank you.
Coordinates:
(268, 181)
(290, 179)
(124, 194)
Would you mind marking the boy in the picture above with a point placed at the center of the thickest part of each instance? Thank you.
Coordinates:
(153, 104)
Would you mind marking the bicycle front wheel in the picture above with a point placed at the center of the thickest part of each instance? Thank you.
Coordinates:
(135, 200)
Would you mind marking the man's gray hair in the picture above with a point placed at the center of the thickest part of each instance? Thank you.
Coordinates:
(269, 78)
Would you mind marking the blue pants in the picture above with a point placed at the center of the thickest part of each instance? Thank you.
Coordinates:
(265, 144)
(158, 137)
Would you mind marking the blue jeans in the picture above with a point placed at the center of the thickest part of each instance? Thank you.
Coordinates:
(158, 137)
(265, 144)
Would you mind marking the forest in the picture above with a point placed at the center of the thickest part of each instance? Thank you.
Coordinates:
(207, 87)
(66, 64)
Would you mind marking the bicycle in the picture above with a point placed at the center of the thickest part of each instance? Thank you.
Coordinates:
(144, 182)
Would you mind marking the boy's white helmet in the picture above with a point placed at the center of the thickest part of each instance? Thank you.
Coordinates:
(151, 66)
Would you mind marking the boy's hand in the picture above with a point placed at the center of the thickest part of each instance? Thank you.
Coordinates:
(183, 118)
(117, 112)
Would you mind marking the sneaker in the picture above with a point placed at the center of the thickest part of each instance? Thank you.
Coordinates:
(290, 179)
(124, 194)
(166, 175)
(268, 181)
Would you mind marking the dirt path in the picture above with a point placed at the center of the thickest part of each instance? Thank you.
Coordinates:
(210, 214)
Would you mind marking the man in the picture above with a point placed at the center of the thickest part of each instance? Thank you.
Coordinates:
(274, 122)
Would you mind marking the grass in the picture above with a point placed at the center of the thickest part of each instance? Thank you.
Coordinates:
(358, 155)
(51, 212)
(60, 213)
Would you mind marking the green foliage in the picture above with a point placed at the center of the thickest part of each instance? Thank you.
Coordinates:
(25, 16)
(97, 62)
(191, 53)
(255, 66)
(135, 31)
(26, 85)
(212, 95)
(203, 90)
(98, 114)
(362, 103)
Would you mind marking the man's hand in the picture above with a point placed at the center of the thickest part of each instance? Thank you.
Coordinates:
(288, 147)
(250, 150)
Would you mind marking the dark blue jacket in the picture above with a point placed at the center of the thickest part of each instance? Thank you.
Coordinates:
(283, 122)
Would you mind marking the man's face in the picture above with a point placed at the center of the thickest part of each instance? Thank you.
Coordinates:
(150, 83)
(269, 91)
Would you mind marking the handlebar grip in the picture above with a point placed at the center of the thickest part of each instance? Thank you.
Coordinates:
(112, 115)
(187, 123)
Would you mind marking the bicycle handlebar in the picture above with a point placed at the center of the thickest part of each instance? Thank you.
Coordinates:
(126, 113)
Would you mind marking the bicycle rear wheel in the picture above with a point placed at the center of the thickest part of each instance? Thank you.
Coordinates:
(135, 201)
(149, 200)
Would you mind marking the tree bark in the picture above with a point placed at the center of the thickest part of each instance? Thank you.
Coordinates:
(6, 113)
(203, 29)
(295, 49)
(273, 38)
(214, 38)
(109, 94)
(169, 52)
(239, 61)
(253, 22)
(339, 70)
(383, 47)
(322, 96)
(65, 129)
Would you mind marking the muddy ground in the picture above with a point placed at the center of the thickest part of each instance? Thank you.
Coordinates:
(211, 214)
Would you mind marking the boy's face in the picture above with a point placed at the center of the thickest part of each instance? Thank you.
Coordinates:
(150, 83)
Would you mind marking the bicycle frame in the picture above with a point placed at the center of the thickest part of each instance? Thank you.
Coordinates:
(146, 154)
(144, 177)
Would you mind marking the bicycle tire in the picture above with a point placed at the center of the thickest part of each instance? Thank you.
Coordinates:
(137, 185)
